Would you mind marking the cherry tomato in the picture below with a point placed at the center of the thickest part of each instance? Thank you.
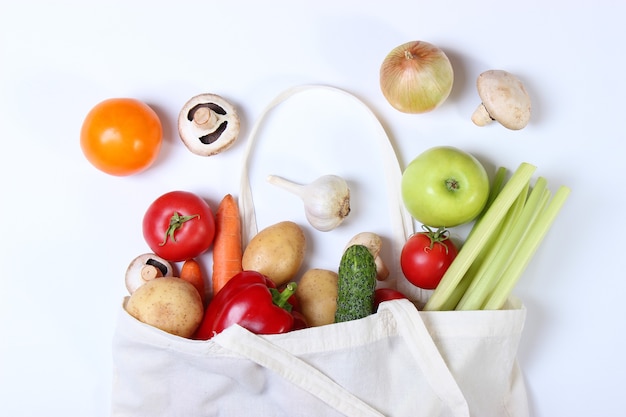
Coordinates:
(179, 225)
(386, 294)
(121, 136)
(426, 256)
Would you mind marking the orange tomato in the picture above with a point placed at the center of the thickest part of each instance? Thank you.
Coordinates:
(121, 136)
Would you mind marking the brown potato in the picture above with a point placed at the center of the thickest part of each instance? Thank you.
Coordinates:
(317, 295)
(168, 303)
(276, 251)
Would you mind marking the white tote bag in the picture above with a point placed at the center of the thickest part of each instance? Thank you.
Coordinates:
(397, 362)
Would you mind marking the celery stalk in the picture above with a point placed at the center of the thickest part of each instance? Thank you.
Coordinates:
(504, 247)
(452, 301)
(527, 248)
(498, 182)
(481, 236)
(486, 272)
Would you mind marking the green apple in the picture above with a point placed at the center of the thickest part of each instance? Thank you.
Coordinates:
(445, 187)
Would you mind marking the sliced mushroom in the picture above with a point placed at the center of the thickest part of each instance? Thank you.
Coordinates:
(145, 268)
(374, 244)
(208, 124)
(504, 99)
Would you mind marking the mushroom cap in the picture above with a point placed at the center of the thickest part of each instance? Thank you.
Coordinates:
(134, 277)
(208, 124)
(504, 97)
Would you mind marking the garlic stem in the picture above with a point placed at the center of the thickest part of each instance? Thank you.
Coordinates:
(326, 200)
(287, 185)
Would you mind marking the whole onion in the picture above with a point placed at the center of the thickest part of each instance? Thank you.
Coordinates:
(416, 77)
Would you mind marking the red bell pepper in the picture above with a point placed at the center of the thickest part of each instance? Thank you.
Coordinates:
(251, 300)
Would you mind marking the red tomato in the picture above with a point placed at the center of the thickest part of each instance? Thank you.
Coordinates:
(121, 136)
(386, 294)
(426, 256)
(299, 321)
(178, 226)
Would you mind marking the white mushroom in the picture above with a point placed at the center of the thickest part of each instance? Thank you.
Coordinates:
(208, 124)
(374, 244)
(504, 99)
(145, 268)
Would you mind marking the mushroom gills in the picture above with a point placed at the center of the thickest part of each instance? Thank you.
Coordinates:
(215, 135)
(208, 124)
(158, 265)
(212, 106)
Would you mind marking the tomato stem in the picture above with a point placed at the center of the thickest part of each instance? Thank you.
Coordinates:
(439, 236)
(176, 222)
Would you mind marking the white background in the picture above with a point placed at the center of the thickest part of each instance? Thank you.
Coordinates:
(69, 231)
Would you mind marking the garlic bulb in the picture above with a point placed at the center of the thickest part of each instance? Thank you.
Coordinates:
(326, 200)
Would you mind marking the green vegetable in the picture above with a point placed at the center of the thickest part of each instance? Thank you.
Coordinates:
(527, 247)
(459, 291)
(356, 284)
(500, 245)
(480, 236)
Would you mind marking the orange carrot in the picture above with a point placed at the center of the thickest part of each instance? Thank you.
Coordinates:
(192, 273)
(227, 247)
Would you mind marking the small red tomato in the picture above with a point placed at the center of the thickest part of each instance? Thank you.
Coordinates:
(179, 225)
(426, 256)
(386, 294)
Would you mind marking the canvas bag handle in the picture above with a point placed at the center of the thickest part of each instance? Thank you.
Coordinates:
(410, 324)
(402, 222)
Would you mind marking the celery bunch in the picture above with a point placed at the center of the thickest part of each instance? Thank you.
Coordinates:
(501, 243)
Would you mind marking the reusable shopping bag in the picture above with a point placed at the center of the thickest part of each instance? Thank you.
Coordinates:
(397, 362)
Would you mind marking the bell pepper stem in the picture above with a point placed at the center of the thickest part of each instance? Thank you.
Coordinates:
(281, 298)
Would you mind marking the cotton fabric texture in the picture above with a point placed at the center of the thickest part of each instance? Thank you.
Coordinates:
(398, 362)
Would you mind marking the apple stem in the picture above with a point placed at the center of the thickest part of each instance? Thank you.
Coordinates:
(452, 184)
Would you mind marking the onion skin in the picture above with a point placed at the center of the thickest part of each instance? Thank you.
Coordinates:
(416, 77)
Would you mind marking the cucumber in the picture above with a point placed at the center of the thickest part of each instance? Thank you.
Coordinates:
(356, 284)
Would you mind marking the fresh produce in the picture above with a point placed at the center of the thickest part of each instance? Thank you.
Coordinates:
(500, 245)
(208, 124)
(386, 294)
(276, 251)
(416, 77)
(326, 200)
(426, 256)
(191, 271)
(251, 300)
(121, 136)
(168, 303)
(227, 246)
(374, 243)
(179, 225)
(444, 187)
(504, 99)
(299, 321)
(317, 296)
(144, 268)
(356, 284)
